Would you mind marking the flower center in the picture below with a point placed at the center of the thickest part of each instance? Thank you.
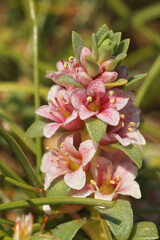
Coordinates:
(63, 111)
(93, 106)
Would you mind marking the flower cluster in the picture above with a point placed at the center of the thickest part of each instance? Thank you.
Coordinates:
(90, 90)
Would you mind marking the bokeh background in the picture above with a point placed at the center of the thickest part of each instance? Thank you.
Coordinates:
(138, 20)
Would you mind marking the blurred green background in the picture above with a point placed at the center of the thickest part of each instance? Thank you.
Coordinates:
(138, 20)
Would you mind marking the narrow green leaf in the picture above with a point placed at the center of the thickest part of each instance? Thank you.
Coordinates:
(96, 129)
(94, 47)
(92, 66)
(117, 37)
(123, 47)
(101, 34)
(67, 231)
(55, 201)
(67, 79)
(133, 151)
(119, 218)
(104, 52)
(112, 65)
(21, 157)
(106, 229)
(144, 230)
(58, 188)
(19, 132)
(36, 129)
(118, 83)
(78, 44)
(134, 79)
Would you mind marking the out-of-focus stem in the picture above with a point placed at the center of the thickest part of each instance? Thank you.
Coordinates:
(36, 78)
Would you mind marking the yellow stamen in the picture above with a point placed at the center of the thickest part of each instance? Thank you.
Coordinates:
(89, 99)
(50, 101)
(66, 103)
(112, 100)
(71, 59)
(111, 93)
(118, 178)
(66, 153)
(95, 165)
(66, 65)
(132, 124)
(62, 97)
(46, 148)
(122, 124)
(62, 145)
(59, 69)
(63, 111)
(130, 129)
(112, 182)
(122, 116)
(56, 159)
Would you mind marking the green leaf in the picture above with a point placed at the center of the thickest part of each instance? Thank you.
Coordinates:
(67, 231)
(117, 37)
(92, 66)
(133, 151)
(94, 47)
(58, 188)
(118, 83)
(36, 129)
(123, 47)
(55, 201)
(112, 65)
(134, 79)
(106, 229)
(19, 132)
(144, 230)
(101, 34)
(21, 157)
(105, 52)
(119, 218)
(67, 79)
(78, 44)
(96, 129)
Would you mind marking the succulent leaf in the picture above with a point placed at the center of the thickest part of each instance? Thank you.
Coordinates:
(78, 44)
(92, 66)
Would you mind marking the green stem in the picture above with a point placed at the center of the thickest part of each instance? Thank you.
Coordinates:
(5, 221)
(106, 229)
(36, 79)
(55, 201)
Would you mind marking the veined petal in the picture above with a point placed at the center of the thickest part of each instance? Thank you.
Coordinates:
(53, 92)
(69, 146)
(87, 190)
(99, 195)
(73, 116)
(110, 116)
(136, 137)
(78, 96)
(87, 150)
(50, 129)
(85, 52)
(84, 113)
(130, 188)
(108, 77)
(47, 111)
(84, 79)
(97, 87)
(76, 179)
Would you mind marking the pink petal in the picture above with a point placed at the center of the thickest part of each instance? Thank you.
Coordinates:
(130, 188)
(87, 150)
(85, 52)
(76, 179)
(47, 161)
(136, 137)
(105, 64)
(110, 116)
(78, 96)
(125, 141)
(84, 79)
(84, 113)
(99, 195)
(53, 92)
(87, 190)
(108, 77)
(97, 87)
(72, 117)
(50, 129)
(69, 147)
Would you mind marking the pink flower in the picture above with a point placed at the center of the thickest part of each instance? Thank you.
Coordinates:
(126, 131)
(112, 175)
(23, 227)
(59, 110)
(69, 161)
(96, 101)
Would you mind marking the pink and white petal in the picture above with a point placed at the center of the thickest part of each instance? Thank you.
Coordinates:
(125, 141)
(136, 137)
(76, 124)
(99, 195)
(121, 98)
(76, 179)
(105, 64)
(97, 87)
(45, 111)
(69, 146)
(47, 209)
(84, 79)
(72, 117)
(50, 129)
(47, 161)
(131, 189)
(87, 190)
(85, 52)
(108, 77)
(53, 92)
(87, 150)
(110, 116)
(84, 113)
(78, 96)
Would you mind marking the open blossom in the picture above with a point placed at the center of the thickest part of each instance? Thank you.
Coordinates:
(96, 101)
(126, 131)
(68, 161)
(59, 110)
(79, 73)
(23, 227)
(112, 175)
